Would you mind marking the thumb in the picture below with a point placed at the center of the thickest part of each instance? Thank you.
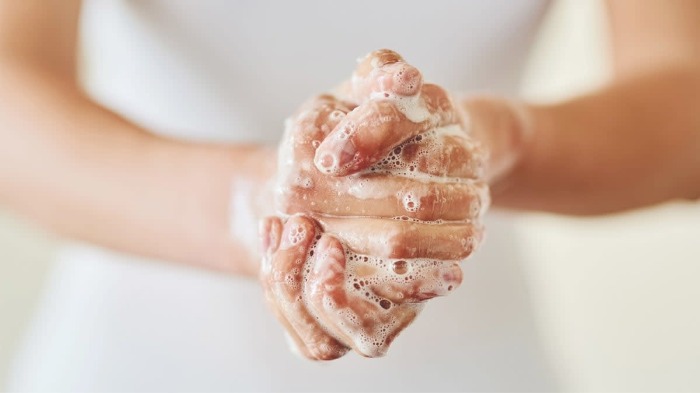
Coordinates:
(384, 71)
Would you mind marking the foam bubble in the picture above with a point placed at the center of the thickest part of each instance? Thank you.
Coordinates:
(375, 290)
(431, 143)
(410, 203)
(297, 234)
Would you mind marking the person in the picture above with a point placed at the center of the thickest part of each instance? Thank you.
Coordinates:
(131, 151)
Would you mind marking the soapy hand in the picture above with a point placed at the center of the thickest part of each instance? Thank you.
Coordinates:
(394, 185)
(330, 299)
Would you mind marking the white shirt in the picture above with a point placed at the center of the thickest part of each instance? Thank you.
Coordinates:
(224, 70)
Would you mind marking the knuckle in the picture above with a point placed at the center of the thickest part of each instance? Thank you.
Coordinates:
(432, 203)
(468, 241)
(466, 249)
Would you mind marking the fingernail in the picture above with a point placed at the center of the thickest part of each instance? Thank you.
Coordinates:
(342, 154)
(268, 232)
(407, 80)
(347, 155)
(383, 57)
(294, 233)
(330, 260)
(264, 235)
(321, 253)
(326, 162)
(340, 157)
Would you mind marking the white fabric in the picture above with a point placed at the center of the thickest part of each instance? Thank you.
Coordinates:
(223, 70)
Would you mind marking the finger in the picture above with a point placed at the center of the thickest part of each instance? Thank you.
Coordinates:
(358, 318)
(448, 152)
(313, 121)
(270, 234)
(304, 132)
(384, 73)
(372, 130)
(286, 283)
(387, 196)
(317, 116)
(400, 239)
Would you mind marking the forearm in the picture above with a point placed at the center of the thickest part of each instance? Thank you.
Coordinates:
(631, 144)
(87, 173)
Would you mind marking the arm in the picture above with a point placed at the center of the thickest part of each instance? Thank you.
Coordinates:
(85, 172)
(634, 143)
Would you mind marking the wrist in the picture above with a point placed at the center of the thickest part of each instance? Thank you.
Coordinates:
(249, 200)
(504, 128)
(220, 189)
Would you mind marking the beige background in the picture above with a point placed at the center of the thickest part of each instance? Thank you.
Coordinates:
(616, 298)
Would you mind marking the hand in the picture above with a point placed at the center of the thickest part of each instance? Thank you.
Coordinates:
(421, 200)
(426, 167)
(329, 300)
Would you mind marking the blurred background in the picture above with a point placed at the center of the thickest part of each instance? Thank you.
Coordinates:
(616, 298)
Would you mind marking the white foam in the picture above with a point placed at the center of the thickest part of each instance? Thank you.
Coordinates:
(410, 203)
(413, 107)
(364, 273)
(394, 164)
(296, 234)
